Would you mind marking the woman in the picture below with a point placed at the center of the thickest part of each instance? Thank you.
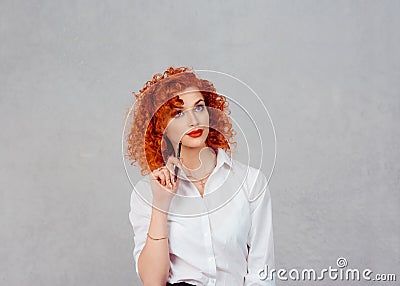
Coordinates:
(203, 228)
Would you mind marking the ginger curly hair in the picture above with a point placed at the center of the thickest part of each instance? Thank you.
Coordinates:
(154, 107)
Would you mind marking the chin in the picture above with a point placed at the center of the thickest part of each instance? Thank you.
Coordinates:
(194, 142)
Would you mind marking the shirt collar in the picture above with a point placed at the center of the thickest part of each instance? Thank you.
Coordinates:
(223, 158)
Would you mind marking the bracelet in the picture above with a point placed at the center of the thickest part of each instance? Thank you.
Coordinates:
(154, 238)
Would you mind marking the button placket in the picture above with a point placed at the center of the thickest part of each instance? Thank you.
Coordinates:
(212, 282)
(209, 245)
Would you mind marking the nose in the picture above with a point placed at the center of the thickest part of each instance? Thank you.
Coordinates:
(193, 121)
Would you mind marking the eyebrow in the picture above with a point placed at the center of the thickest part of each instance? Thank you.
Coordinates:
(178, 107)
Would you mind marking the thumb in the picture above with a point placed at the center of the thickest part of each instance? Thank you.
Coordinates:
(172, 163)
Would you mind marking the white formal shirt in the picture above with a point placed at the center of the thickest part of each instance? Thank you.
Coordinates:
(222, 238)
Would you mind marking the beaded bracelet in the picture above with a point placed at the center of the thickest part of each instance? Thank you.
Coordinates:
(153, 238)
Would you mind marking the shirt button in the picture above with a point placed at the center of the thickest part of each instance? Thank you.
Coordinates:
(212, 281)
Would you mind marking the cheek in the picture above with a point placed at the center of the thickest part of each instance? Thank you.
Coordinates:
(176, 128)
(204, 117)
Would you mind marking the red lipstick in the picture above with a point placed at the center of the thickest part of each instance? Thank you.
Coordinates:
(196, 133)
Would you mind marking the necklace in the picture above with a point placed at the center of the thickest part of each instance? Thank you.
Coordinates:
(203, 181)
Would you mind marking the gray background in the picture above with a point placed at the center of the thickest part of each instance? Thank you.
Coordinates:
(327, 70)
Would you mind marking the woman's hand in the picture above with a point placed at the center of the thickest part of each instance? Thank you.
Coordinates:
(163, 185)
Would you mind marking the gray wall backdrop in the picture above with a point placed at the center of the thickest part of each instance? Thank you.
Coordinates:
(327, 70)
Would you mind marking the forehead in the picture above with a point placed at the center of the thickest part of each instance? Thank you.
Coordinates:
(190, 96)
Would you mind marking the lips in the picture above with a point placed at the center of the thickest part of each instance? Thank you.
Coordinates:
(196, 133)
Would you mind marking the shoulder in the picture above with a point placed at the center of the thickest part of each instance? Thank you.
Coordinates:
(143, 182)
(141, 195)
(141, 187)
(256, 181)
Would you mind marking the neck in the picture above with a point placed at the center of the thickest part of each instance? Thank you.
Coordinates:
(198, 162)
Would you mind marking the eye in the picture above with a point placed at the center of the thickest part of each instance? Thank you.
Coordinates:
(200, 107)
(179, 113)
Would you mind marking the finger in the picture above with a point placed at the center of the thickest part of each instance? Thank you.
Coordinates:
(174, 160)
(155, 174)
(167, 177)
(161, 175)
(172, 163)
(178, 179)
(169, 164)
(172, 174)
(179, 167)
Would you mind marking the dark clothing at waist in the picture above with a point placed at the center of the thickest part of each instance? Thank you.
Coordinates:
(179, 284)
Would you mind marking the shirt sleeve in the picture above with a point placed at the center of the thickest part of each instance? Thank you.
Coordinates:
(260, 238)
(139, 217)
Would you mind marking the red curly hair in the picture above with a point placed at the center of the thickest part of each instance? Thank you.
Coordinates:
(154, 107)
